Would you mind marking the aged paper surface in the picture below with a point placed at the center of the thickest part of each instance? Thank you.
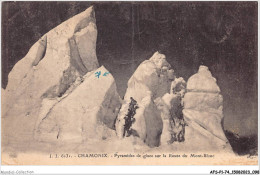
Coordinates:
(129, 83)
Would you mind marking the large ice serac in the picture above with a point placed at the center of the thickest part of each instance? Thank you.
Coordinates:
(65, 52)
(151, 79)
(88, 112)
(51, 66)
(203, 105)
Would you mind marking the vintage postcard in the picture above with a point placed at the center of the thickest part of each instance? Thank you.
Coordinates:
(129, 83)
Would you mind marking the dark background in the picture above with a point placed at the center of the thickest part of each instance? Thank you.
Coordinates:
(220, 35)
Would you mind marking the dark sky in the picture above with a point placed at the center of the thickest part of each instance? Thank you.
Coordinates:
(220, 35)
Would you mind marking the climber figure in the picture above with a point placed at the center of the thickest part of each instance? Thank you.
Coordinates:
(177, 121)
(129, 118)
(178, 130)
(181, 134)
